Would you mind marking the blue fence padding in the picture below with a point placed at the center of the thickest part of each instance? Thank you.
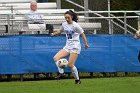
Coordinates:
(34, 54)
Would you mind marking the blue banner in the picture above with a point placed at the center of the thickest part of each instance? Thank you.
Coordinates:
(34, 54)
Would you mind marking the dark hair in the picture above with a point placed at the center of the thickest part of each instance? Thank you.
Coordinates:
(70, 12)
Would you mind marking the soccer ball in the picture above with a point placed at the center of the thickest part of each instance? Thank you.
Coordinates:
(62, 63)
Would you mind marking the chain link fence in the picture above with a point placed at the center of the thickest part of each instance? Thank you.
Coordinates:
(9, 24)
(102, 5)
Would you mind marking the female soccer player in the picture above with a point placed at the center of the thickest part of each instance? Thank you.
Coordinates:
(73, 47)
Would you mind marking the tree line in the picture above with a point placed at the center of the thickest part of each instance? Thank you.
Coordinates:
(125, 4)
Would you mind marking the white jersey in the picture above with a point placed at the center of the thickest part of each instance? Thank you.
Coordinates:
(34, 17)
(73, 32)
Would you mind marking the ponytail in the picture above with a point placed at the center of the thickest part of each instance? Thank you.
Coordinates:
(70, 12)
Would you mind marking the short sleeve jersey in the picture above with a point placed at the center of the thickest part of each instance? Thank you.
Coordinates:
(72, 31)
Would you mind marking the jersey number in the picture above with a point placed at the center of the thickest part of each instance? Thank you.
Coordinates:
(69, 36)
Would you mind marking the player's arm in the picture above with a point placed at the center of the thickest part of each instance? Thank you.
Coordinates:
(80, 30)
(58, 32)
(84, 39)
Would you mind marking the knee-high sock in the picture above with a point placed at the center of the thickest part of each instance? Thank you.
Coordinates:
(75, 73)
(59, 69)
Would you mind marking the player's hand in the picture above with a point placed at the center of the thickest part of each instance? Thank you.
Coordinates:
(86, 46)
(136, 36)
(52, 34)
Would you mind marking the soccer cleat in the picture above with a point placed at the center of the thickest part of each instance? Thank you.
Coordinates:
(60, 76)
(77, 82)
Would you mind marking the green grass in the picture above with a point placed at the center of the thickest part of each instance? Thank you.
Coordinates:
(94, 85)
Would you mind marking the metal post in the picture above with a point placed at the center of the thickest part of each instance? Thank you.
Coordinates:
(58, 4)
(125, 22)
(109, 22)
(12, 10)
(86, 8)
(8, 23)
(112, 26)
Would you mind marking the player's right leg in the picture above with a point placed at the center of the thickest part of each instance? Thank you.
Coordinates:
(61, 54)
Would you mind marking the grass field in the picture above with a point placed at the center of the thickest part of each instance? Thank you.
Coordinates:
(94, 85)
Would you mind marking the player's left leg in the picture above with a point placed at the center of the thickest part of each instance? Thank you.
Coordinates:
(72, 59)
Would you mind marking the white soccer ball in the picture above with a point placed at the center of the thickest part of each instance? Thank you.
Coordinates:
(63, 63)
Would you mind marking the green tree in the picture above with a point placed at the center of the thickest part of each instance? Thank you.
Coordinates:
(125, 4)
